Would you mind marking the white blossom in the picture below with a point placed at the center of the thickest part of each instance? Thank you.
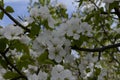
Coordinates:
(25, 39)
(38, 47)
(29, 20)
(2, 72)
(12, 32)
(57, 43)
(34, 11)
(59, 73)
(41, 76)
(32, 76)
(103, 73)
(14, 53)
(69, 58)
(44, 13)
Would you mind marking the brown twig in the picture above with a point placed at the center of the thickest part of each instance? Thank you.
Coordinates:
(14, 20)
(117, 12)
(12, 66)
(96, 49)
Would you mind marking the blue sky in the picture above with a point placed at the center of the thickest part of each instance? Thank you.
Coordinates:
(20, 8)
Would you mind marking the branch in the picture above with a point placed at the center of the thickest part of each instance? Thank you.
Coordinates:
(117, 12)
(9, 63)
(108, 13)
(113, 58)
(14, 20)
(94, 4)
(97, 49)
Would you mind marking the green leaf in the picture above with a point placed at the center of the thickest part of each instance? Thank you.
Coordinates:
(9, 9)
(43, 57)
(97, 18)
(2, 3)
(3, 43)
(79, 42)
(44, 2)
(88, 70)
(97, 71)
(24, 61)
(89, 16)
(19, 46)
(113, 5)
(80, 2)
(95, 75)
(35, 29)
(63, 13)
(9, 75)
(45, 24)
(48, 61)
(3, 63)
(1, 15)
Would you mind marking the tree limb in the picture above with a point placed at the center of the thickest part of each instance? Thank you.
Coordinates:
(107, 13)
(12, 66)
(117, 12)
(97, 49)
(14, 20)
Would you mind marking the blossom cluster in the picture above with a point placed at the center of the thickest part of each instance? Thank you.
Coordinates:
(44, 13)
(59, 73)
(55, 41)
(47, 55)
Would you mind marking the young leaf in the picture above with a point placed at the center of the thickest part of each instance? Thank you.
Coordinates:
(24, 61)
(19, 46)
(2, 3)
(35, 29)
(1, 15)
(80, 2)
(9, 9)
(3, 63)
(42, 57)
(44, 2)
(9, 75)
(3, 43)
